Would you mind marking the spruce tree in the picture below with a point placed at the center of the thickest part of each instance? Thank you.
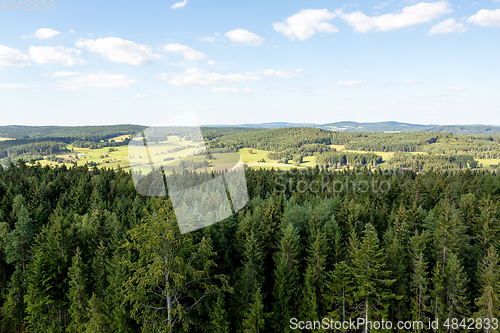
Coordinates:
(456, 280)
(372, 291)
(77, 295)
(489, 282)
(286, 277)
(218, 316)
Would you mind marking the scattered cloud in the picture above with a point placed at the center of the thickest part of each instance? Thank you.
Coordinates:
(411, 81)
(163, 76)
(345, 71)
(244, 36)
(45, 33)
(95, 80)
(119, 50)
(278, 73)
(139, 96)
(385, 83)
(455, 88)
(164, 94)
(306, 23)
(227, 90)
(179, 4)
(64, 73)
(447, 26)
(186, 51)
(72, 31)
(195, 76)
(12, 57)
(346, 84)
(486, 18)
(420, 13)
(206, 39)
(211, 62)
(382, 5)
(15, 85)
(55, 54)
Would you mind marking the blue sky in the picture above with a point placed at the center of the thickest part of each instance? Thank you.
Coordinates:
(234, 62)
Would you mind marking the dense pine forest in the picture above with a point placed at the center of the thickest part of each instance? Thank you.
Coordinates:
(81, 251)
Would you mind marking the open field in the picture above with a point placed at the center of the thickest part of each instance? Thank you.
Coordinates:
(487, 163)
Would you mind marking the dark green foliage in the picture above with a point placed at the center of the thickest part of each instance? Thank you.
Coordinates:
(425, 248)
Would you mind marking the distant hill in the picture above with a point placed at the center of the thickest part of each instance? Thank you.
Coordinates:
(380, 127)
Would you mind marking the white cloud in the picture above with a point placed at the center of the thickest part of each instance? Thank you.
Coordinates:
(96, 80)
(163, 76)
(55, 54)
(345, 71)
(195, 76)
(411, 81)
(455, 88)
(227, 90)
(278, 73)
(139, 96)
(382, 5)
(244, 36)
(45, 33)
(346, 84)
(12, 57)
(64, 73)
(420, 13)
(72, 31)
(486, 18)
(447, 26)
(385, 83)
(306, 23)
(15, 85)
(206, 39)
(119, 50)
(186, 51)
(211, 62)
(165, 94)
(179, 4)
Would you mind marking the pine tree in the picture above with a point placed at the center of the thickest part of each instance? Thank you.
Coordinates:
(219, 320)
(456, 288)
(486, 224)
(314, 276)
(77, 295)
(371, 277)
(438, 305)
(96, 322)
(254, 318)
(339, 291)
(489, 281)
(285, 278)
(419, 280)
(172, 274)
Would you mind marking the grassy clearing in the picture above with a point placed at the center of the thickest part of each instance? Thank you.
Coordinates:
(6, 139)
(488, 162)
(256, 155)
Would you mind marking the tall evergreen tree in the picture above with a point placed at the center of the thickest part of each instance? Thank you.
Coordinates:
(372, 278)
(286, 277)
(172, 269)
(77, 294)
(489, 281)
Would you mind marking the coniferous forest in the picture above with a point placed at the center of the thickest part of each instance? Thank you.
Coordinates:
(81, 251)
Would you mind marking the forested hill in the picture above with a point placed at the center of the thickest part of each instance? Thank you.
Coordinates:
(382, 127)
(86, 133)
